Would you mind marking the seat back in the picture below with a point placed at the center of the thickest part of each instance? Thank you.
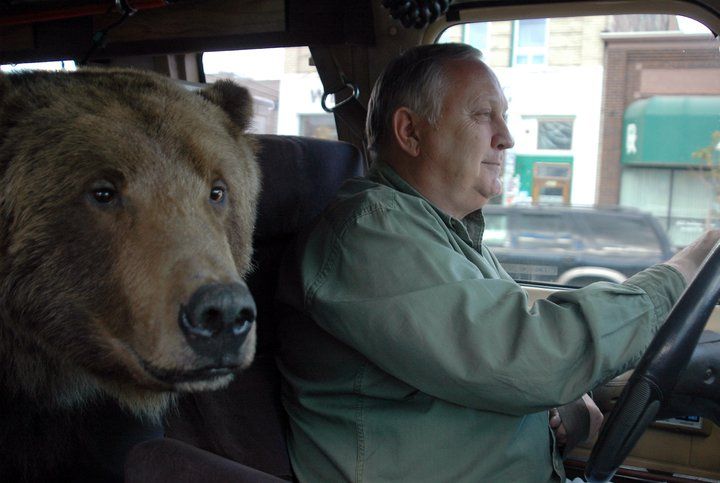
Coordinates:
(245, 422)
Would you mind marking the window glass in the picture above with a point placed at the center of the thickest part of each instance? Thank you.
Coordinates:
(683, 200)
(530, 41)
(531, 32)
(549, 170)
(647, 189)
(628, 233)
(616, 122)
(476, 34)
(496, 230)
(285, 87)
(693, 205)
(54, 65)
(554, 134)
(542, 231)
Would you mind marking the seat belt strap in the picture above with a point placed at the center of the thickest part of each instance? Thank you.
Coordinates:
(347, 106)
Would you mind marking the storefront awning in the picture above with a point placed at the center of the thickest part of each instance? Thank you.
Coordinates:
(668, 129)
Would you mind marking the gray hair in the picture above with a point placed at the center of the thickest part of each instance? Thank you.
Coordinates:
(417, 80)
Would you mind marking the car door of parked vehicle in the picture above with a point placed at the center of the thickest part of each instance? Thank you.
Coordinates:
(544, 244)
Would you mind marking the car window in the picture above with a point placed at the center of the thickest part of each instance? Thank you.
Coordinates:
(285, 87)
(54, 65)
(616, 121)
(496, 229)
(542, 231)
(623, 234)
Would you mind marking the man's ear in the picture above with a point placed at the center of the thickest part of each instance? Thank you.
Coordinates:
(405, 125)
(235, 100)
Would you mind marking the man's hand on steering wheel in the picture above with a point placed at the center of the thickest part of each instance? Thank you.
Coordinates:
(688, 260)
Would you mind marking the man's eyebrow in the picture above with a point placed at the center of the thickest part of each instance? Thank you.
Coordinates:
(493, 100)
(485, 99)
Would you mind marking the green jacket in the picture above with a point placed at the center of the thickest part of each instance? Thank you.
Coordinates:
(408, 354)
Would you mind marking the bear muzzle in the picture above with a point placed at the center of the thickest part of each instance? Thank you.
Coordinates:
(217, 320)
(218, 326)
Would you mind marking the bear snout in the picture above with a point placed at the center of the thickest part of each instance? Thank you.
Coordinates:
(217, 320)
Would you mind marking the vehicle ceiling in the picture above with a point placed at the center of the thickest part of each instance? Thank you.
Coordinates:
(166, 35)
(34, 30)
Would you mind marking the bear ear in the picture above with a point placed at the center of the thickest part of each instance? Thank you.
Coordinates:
(236, 101)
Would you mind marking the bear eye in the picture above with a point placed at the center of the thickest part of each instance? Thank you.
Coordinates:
(217, 194)
(104, 195)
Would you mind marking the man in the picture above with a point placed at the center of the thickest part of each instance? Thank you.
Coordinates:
(408, 353)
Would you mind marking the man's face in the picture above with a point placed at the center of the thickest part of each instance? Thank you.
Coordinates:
(465, 150)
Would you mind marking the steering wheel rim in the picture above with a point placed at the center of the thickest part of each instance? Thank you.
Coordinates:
(656, 375)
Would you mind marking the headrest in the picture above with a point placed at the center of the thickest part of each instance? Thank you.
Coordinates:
(300, 176)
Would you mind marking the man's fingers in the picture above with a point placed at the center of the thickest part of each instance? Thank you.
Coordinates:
(555, 421)
(561, 434)
(557, 427)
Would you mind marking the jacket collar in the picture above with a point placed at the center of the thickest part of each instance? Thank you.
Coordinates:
(471, 227)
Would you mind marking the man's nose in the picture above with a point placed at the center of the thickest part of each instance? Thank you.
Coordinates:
(502, 139)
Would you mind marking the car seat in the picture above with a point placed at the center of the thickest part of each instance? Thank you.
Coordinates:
(238, 433)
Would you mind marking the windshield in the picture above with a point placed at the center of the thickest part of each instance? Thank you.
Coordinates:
(618, 115)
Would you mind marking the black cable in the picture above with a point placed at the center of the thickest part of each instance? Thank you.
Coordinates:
(98, 38)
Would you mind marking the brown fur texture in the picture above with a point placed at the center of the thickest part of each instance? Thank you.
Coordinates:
(91, 291)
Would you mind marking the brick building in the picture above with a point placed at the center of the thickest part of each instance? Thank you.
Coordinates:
(664, 83)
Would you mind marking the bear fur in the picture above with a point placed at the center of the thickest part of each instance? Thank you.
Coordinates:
(91, 352)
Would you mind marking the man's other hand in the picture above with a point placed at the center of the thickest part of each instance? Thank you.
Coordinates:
(576, 422)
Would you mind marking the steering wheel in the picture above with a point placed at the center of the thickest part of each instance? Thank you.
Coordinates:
(655, 376)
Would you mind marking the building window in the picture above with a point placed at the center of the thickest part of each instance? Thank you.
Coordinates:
(680, 198)
(530, 42)
(554, 134)
(476, 34)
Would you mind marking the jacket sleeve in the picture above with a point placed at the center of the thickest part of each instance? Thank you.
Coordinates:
(391, 285)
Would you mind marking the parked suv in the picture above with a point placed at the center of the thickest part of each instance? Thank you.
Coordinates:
(574, 246)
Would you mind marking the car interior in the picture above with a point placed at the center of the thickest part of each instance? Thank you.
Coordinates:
(625, 52)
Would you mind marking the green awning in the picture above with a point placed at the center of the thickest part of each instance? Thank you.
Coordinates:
(668, 129)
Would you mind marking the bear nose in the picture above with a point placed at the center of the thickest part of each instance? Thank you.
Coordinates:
(218, 318)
